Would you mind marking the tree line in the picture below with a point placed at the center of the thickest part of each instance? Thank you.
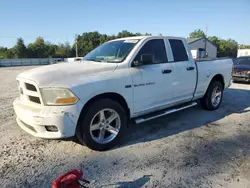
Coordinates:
(89, 40)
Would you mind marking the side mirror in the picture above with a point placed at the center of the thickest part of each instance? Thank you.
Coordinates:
(136, 63)
(144, 60)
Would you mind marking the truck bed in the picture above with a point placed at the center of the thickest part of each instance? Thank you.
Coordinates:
(208, 69)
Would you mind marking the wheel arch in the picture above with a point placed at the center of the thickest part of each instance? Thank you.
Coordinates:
(218, 78)
(110, 95)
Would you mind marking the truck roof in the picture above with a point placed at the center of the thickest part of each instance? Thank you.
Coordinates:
(142, 37)
(131, 38)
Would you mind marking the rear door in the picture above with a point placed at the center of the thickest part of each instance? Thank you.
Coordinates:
(184, 74)
(152, 80)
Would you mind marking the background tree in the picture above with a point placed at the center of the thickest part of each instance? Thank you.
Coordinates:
(51, 49)
(6, 53)
(19, 49)
(38, 48)
(87, 41)
(243, 46)
(63, 50)
(125, 33)
(214, 40)
(198, 33)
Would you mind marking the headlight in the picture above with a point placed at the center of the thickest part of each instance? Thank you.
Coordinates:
(248, 72)
(58, 96)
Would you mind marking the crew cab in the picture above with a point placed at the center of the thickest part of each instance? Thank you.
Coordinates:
(138, 78)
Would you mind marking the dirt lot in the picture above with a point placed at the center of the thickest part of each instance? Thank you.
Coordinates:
(192, 148)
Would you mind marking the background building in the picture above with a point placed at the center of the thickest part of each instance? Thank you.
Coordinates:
(202, 47)
(243, 52)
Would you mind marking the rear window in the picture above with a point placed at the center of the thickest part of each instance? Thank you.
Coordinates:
(178, 49)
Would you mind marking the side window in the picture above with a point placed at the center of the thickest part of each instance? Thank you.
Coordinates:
(178, 49)
(152, 52)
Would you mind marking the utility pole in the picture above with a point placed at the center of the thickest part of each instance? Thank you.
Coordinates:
(76, 46)
(206, 41)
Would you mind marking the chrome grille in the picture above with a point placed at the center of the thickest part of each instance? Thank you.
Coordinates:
(239, 72)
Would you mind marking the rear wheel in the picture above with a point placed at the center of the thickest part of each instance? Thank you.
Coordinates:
(213, 96)
(103, 125)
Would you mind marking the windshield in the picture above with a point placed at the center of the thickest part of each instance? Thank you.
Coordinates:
(242, 61)
(114, 51)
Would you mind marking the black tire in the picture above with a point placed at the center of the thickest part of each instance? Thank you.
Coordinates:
(83, 130)
(206, 101)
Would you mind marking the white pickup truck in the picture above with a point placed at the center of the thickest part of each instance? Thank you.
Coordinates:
(137, 78)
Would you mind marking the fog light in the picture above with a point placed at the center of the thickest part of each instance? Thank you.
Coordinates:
(51, 128)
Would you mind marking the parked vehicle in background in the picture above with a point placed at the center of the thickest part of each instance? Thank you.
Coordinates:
(241, 69)
(73, 59)
(138, 78)
(78, 59)
(56, 61)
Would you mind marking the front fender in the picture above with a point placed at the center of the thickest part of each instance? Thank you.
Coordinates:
(101, 84)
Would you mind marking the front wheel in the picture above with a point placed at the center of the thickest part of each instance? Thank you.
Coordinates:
(103, 125)
(213, 97)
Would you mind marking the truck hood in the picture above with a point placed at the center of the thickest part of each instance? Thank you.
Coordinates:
(241, 67)
(65, 73)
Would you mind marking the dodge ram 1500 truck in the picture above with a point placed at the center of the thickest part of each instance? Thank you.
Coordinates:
(138, 78)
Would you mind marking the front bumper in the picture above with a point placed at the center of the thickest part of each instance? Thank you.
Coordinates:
(242, 78)
(34, 120)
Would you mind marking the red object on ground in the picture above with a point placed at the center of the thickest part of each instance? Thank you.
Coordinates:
(69, 179)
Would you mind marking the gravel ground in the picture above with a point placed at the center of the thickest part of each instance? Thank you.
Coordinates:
(191, 148)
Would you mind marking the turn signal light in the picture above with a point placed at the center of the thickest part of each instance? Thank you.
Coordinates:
(70, 100)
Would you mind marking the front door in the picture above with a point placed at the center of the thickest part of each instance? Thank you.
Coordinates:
(152, 77)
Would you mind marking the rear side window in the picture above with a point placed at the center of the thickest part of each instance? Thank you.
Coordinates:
(178, 49)
(154, 51)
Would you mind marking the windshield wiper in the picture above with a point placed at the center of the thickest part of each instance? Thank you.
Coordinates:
(96, 60)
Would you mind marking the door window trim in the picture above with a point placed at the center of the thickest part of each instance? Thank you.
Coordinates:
(141, 46)
(186, 46)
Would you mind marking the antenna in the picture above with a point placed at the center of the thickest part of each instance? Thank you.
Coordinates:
(206, 41)
(206, 30)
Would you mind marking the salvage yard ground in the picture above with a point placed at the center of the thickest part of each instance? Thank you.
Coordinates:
(191, 148)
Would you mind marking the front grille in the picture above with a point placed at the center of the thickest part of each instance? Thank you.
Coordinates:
(35, 99)
(30, 87)
(240, 72)
(29, 92)
(28, 126)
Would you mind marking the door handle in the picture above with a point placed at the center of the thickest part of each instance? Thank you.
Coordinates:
(167, 71)
(190, 68)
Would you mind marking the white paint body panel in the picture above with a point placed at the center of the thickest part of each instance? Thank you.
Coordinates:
(208, 69)
(89, 79)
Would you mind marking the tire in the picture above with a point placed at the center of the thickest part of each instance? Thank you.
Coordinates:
(207, 101)
(94, 116)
